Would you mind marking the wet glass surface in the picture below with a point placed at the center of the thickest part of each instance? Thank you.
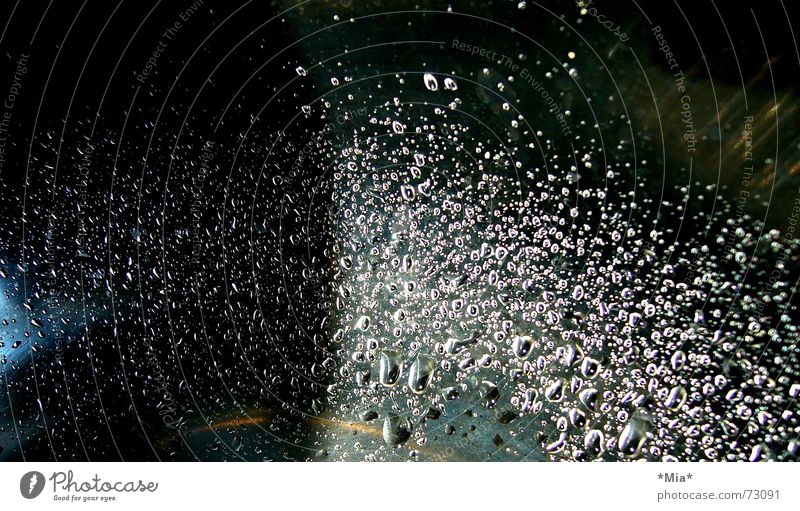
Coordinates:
(385, 231)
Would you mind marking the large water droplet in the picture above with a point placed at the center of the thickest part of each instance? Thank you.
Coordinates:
(421, 373)
(430, 82)
(391, 368)
(396, 430)
(522, 346)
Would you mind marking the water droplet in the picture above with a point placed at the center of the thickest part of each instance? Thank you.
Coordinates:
(421, 373)
(390, 368)
(396, 430)
(430, 82)
(522, 346)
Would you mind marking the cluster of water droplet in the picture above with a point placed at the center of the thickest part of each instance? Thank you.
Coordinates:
(475, 299)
